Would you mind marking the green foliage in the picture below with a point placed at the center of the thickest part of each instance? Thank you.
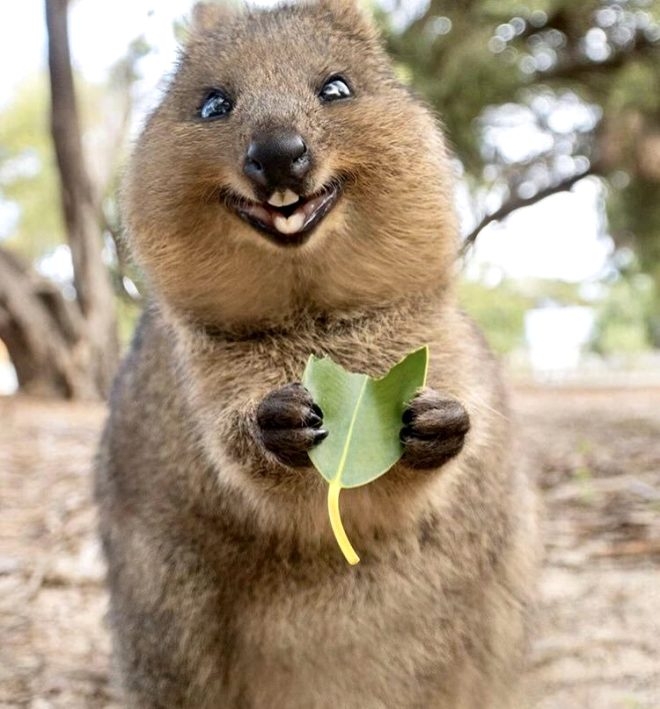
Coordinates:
(476, 61)
(28, 176)
(634, 214)
(499, 311)
(559, 292)
(446, 52)
(624, 315)
(363, 418)
(623, 318)
(28, 173)
(127, 317)
(29, 180)
(634, 87)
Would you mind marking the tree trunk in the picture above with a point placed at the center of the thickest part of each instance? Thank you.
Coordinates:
(42, 333)
(94, 293)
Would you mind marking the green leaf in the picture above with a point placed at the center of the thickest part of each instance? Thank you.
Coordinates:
(363, 419)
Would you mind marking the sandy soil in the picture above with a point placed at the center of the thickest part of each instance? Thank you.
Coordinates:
(598, 465)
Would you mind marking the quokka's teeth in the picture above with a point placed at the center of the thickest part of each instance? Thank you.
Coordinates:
(292, 225)
(283, 198)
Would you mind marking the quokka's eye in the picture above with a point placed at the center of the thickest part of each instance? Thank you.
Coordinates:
(335, 89)
(216, 105)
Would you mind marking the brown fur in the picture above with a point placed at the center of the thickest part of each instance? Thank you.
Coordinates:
(227, 588)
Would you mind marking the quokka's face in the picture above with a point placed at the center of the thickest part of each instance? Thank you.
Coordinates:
(276, 118)
(287, 168)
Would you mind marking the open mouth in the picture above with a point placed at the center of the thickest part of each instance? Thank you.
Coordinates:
(286, 218)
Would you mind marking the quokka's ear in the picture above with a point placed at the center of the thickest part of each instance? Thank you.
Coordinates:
(350, 13)
(208, 15)
(341, 5)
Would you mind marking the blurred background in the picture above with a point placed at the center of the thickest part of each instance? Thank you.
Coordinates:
(552, 108)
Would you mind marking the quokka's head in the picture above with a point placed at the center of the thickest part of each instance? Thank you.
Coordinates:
(286, 167)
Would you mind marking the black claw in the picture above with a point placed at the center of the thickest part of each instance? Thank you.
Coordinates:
(408, 416)
(320, 435)
(313, 420)
(317, 410)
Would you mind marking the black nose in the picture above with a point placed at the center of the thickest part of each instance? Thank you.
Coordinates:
(277, 159)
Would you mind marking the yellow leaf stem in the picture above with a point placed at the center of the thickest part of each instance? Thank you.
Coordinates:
(337, 527)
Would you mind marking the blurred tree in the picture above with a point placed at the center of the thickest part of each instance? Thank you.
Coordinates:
(622, 317)
(538, 94)
(28, 174)
(499, 311)
(62, 338)
(97, 348)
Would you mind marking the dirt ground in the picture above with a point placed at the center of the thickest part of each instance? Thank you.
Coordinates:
(598, 638)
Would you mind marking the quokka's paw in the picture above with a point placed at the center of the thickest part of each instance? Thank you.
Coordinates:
(434, 429)
(290, 423)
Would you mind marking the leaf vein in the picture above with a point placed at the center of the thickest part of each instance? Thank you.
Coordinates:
(349, 434)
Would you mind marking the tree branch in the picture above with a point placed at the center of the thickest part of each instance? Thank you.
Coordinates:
(94, 294)
(40, 329)
(519, 202)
